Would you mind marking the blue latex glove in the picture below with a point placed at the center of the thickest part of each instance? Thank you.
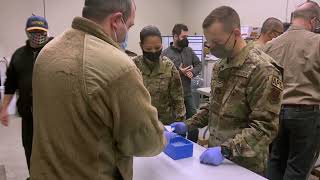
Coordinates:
(212, 156)
(179, 127)
(169, 136)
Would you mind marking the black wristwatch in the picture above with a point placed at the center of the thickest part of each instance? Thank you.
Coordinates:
(226, 152)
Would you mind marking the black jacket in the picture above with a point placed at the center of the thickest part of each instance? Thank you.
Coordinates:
(186, 57)
(19, 76)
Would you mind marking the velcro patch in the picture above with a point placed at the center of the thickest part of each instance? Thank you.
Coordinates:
(241, 74)
(274, 95)
(276, 82)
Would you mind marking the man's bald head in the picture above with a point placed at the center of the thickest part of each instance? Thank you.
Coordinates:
(307, 4)
(307, 11)
(272, 24)
(307, 15)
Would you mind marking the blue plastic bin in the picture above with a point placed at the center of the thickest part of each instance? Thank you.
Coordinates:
(179, 148)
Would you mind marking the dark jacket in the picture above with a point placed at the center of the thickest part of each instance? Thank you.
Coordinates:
(19, 76)
(186, 57)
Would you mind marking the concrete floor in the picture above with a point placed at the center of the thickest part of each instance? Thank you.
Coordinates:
(2, 173)
(11, 151)
(12, 154)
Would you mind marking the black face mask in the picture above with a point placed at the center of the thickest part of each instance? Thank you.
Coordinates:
(152, 56)
(183, 43)
(220, 50)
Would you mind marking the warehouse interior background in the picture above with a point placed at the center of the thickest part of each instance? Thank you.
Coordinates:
(161, 13)
(164, 14)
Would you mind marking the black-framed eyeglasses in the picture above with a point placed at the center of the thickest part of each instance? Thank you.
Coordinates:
(212, 42)
(278, 32)
(318, 22)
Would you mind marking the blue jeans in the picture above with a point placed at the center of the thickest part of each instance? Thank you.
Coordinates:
(190, 111)
(296, 148)
(190, 107)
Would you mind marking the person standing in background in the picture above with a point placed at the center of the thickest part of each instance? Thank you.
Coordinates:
(19, 79)
(92, 113)
(160, 77)
(271, 28)
(296, 148)
(189, 66)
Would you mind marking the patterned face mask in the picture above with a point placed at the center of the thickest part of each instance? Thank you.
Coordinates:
(38, 38)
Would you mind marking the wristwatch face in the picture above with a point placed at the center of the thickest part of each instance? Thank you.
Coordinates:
(226, 152)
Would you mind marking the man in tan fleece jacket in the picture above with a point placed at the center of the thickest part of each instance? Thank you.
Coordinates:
(92, 112)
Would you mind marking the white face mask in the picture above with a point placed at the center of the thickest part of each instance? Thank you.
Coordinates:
(117, 39)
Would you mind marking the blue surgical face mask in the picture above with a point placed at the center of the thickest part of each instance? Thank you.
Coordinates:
(124, 44)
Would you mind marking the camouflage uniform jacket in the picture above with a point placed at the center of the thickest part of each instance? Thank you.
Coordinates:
(242, 115)
(258, 45)
(164, 85)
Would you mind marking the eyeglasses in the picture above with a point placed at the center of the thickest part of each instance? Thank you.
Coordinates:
(278, 32)
(214, 42)
(318, 21)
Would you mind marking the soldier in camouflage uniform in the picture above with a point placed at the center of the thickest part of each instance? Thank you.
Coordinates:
(246, 92)
(160, 77)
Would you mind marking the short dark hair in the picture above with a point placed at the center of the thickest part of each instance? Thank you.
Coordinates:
(307, 11)
(149, 31)
(225, 15)
(98, 10)
(286, 26)
(270, 25)
(178, 28)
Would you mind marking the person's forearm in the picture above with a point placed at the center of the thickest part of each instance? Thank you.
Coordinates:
(6, 100)
(196, 70)
(200, 119)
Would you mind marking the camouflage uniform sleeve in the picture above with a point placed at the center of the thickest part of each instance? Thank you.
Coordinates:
(176, 95)
(264, 97)
(200, 119)
(137, 61)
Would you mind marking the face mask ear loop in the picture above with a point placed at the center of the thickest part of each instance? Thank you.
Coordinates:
(115, 35)
(124, 25)
(235, 42)
(228, 38)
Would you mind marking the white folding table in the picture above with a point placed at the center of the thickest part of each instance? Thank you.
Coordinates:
(162, 167)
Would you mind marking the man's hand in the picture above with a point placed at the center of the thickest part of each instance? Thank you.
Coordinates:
(189, 74)
(4, 116)
(185, 70)
(179, 127)
(212, 156)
